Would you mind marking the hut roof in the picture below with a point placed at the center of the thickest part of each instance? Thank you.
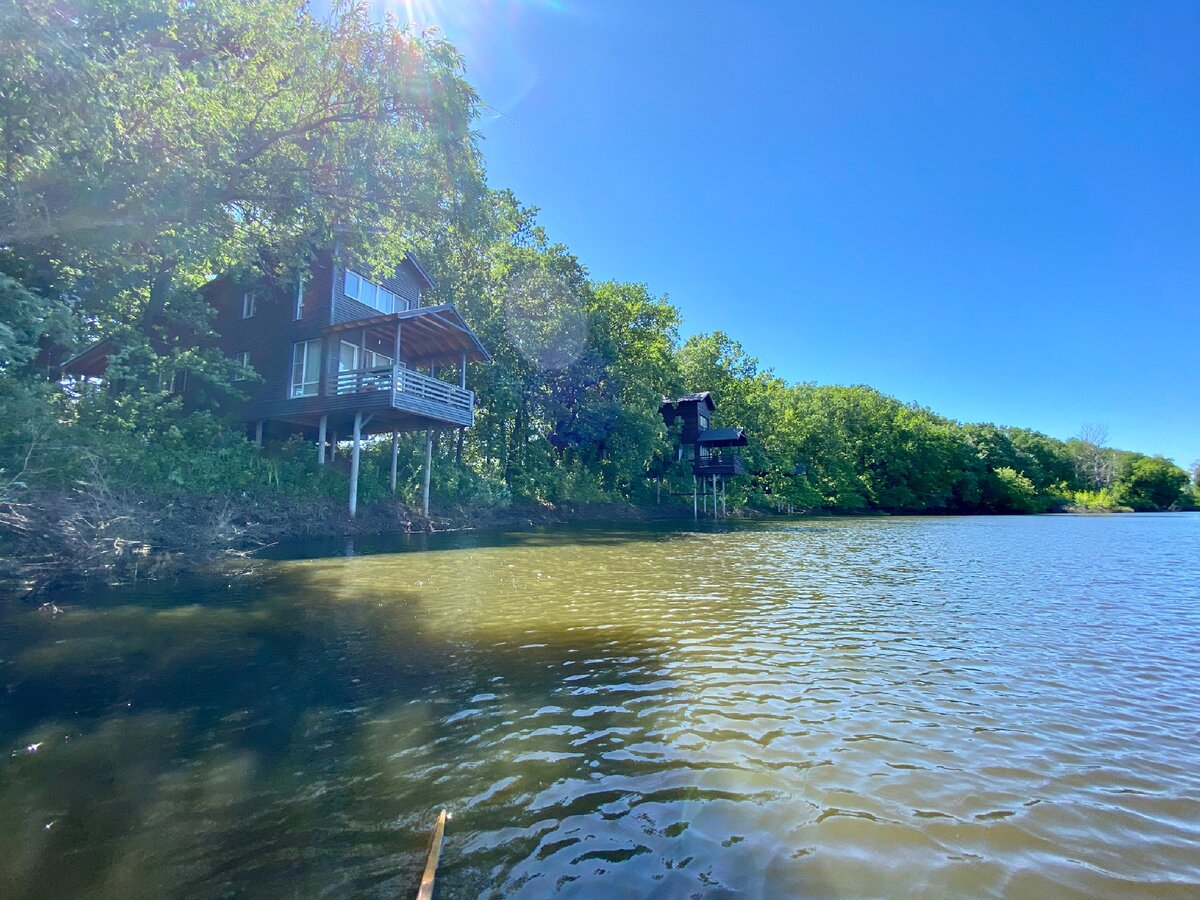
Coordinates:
(723, 437)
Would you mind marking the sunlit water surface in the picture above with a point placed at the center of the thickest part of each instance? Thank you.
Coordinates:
(906, 706)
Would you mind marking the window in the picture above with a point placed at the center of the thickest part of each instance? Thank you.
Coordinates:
(249, 304)
(347, 357)
(242, 359)
(299, 299)
(306, 368)
(368, 292)
(378, 360)
(703, 423)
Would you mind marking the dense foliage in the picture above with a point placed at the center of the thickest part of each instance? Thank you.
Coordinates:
(147, 144)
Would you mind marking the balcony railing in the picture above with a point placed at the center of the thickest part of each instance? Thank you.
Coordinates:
(720, 464)
(402, 382)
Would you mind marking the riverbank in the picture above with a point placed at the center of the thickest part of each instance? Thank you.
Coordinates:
(51, 537)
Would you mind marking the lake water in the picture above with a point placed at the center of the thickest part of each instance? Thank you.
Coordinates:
(847, 707)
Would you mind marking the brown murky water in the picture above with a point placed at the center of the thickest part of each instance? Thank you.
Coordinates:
(889, 707)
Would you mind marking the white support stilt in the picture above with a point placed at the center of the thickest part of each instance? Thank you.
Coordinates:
(321, 434)
(354, 455)
(395, 454)
(425, 476)
(258, 432)
(724, 511)
(714, 490)
(695, 504)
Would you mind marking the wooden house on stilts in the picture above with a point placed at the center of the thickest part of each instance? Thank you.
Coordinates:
(346, 355)
(709, 450)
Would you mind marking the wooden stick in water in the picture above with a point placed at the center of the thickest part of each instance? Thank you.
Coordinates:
(425, 891)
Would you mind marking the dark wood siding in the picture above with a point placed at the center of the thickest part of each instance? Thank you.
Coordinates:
(271, 333)
(402, 283)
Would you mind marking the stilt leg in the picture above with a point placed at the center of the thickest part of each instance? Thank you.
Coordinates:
(428, 468)
(321, 435)
(354, 455)
(395, 455)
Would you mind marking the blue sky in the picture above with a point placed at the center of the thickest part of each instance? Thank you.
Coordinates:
(991, 210)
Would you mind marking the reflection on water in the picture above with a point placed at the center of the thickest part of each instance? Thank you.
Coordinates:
(883, 706)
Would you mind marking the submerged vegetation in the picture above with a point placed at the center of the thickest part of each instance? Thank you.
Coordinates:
(149, 144)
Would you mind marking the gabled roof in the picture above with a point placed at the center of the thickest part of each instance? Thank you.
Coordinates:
(425, 276)
(704, 397)
(91, 361)
(434, 334)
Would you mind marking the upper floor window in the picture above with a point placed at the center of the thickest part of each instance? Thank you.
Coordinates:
(249, 304)
(306, 368)
(299, 314)
(242, 359)
(703, 423)
(366, 291)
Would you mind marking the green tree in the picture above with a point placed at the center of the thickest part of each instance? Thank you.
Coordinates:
(1148, 483)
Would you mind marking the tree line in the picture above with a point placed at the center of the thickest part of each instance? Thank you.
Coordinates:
(146, 145)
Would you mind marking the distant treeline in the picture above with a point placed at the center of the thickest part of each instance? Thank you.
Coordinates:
(148, 145)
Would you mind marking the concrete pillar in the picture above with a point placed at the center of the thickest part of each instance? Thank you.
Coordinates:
(695, 504)
(354, 455)
(462, 372)
(258, 432)
(425, 477)
(321, 435)
(714, 490)
(395, 454)
(724, 511)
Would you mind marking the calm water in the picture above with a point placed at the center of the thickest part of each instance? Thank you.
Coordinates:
(891, 707)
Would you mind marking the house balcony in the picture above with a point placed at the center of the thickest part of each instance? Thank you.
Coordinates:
(403, 391)
(720, 464)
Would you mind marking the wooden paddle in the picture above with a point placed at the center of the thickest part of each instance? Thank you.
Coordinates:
(425, 891)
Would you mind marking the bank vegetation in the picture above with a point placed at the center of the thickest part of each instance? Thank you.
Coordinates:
(147, 145)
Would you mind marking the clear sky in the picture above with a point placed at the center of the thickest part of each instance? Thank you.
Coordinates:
(990, 209)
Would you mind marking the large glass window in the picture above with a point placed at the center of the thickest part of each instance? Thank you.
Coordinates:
(249, 305)
(347, 357)
(306, 368)
(366, 291)
(377, 360)
(244, 359)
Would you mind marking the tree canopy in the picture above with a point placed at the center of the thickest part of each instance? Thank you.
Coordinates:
(148, 145)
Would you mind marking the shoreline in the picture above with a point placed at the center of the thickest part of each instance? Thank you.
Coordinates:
(55, 538)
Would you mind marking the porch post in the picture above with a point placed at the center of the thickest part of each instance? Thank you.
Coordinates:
(462, 372)
(425, 476)
(354, 463)
(258, 432)
(395, 453)
(321, 429)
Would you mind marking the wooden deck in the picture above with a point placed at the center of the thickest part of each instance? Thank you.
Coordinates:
(392, 397)
(406, 391)
(726, 464)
